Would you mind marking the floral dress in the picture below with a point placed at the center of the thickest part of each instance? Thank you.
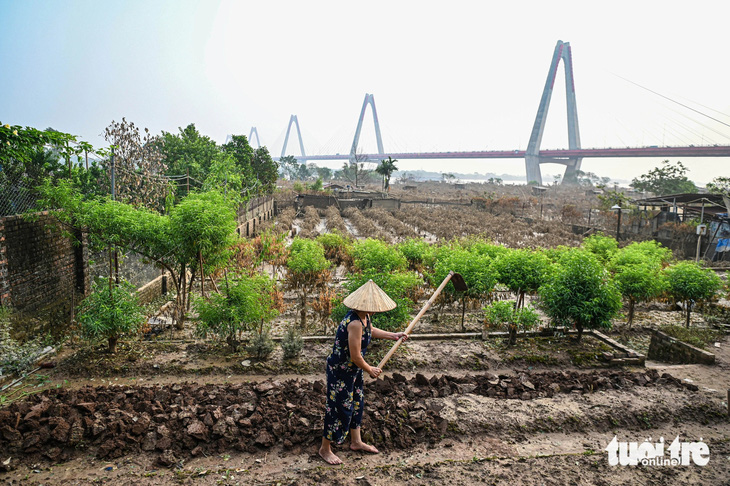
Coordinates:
(345, 397)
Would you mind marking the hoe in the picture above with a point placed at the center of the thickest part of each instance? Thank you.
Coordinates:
(459, 285)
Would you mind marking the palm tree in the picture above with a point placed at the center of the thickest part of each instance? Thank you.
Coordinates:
(386, 169)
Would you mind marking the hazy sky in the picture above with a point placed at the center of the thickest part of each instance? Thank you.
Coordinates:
(458, 75)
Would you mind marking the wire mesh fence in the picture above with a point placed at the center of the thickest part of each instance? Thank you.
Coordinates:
(17, 196)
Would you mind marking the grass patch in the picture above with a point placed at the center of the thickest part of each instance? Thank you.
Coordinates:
(698, 337)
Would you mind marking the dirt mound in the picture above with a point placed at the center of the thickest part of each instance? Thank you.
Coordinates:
(182, 419)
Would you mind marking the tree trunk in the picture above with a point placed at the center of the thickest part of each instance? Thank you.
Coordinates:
(303, 312)
(113, 344)
(631, 312)
(512, 334)
(180, 300)
(580, 331)
(689, 311)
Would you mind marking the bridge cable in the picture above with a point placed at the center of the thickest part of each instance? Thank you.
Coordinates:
(673, 101)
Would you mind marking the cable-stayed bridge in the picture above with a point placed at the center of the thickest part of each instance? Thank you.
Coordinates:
(533, 156)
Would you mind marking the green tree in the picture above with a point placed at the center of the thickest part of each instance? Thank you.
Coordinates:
(289, 167)
(602, 246)
(719, 185)
(504, 314)
(478, 271)
(110, 312)
(259, 170)
(308, 272)
(242, 305)
(418, 253)
(224, 176)
(523, 271)
(324, 173)
(689, 283)
(378, 256)
(667, 179)
(188, 150)
(197, 232)
(386, 169)
(637, 282)
(580, 293)
(265, 169)
(401, 286)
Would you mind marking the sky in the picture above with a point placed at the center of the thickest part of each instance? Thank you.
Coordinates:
(446, 76)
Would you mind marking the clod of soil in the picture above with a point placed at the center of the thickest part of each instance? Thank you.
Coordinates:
(180, 420)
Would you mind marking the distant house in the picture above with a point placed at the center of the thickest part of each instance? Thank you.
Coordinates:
(333, 187)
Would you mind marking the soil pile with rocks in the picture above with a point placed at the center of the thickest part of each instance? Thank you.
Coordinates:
(188, 419)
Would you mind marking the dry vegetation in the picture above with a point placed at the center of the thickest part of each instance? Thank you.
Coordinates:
(310, 222)
(284, 220)
(364, 225)
(335, 221)
(388, 222)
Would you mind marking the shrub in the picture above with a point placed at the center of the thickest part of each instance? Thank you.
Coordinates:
(110, 312)
(478, 271)
(581, 293)
(292, 343)
(337, 247)
(523, 271)
(417, 252)
(241, 306)
(503, 314)
(482, 247)
(377, 256)
(261, 345)
(402, 287)
(602, 246)
(308, 272)
(637, 272)
(689, 283)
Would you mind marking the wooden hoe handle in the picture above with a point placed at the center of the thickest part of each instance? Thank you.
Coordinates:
(415, 320)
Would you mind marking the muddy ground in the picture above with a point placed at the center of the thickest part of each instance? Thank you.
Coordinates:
(166, 430)
(447, 412)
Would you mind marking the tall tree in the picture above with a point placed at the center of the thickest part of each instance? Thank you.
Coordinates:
(188, 150)
(258, 168)
(139, 166)
(265, 169)
(289, 167)
(386, 169)
(667, 179)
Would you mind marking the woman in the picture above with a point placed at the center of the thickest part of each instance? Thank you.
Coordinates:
(345, 366)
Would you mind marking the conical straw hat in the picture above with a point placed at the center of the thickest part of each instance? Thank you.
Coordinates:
(370, 298)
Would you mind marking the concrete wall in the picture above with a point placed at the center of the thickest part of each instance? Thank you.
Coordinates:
(40, 266)
(668, 349)
(251, 217)
(324, 201)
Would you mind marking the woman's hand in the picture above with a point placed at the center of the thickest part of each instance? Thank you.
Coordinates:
(398, 335)
(374, 372)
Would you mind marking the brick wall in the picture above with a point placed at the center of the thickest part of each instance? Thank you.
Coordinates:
(39, 264)
(153, 289)
(670, 350)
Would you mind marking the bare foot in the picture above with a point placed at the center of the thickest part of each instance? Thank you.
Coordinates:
(362, 446)
(329, 456)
